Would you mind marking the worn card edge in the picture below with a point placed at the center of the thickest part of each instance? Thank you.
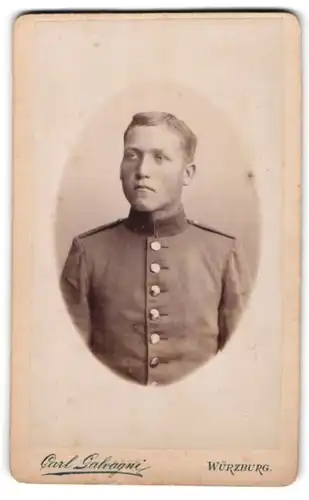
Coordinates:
(22, 263)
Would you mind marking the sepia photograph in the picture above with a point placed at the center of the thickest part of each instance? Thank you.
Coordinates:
(156, 294)
(156, 248)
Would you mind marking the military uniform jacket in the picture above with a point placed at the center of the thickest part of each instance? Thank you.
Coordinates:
(155, 300)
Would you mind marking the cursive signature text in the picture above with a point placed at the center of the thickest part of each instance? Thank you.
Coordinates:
(51, 465)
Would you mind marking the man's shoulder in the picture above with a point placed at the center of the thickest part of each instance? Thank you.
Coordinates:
(99, 229)
(210, 230)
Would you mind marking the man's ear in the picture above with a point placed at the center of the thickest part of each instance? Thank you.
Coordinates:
(189, 173)
(121, 171)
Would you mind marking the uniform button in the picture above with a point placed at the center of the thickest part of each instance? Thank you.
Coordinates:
(154, 383)
(154, 362)
(155, 245)
(154, 314)
(154, 338)
(155, 268)
(155, 290)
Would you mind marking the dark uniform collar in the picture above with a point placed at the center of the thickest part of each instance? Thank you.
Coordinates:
(142, 222)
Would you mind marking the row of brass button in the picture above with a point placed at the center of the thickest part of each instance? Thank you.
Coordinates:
(154, 313)
(155, 289)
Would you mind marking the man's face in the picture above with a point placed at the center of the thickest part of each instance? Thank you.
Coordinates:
(154, 169)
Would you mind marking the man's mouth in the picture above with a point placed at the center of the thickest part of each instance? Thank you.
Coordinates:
(142, 187)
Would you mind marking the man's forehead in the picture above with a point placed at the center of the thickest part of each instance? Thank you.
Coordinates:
(153, 136)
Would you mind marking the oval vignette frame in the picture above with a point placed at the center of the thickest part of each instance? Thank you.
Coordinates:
(223, 194)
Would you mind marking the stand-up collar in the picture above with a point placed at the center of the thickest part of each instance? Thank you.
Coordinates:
(143, 223)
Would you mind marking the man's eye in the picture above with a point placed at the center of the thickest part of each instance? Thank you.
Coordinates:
(159, 157)
(130, 155)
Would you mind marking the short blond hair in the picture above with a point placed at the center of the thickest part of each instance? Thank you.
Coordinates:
(153, 118)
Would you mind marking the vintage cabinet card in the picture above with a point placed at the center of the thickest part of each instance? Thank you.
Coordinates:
(156, 241)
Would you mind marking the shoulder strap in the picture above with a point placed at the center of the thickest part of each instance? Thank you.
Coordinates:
(100, 228)
(210, 229)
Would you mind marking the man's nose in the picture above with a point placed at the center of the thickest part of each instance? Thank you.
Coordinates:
(144, 168)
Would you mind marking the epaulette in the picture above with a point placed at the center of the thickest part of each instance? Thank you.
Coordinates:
(100, 228)
(210, 229)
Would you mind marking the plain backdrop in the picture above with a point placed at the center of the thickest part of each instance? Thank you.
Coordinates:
(9, 487)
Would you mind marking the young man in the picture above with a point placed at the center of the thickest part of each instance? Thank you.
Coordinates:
(155, 295)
